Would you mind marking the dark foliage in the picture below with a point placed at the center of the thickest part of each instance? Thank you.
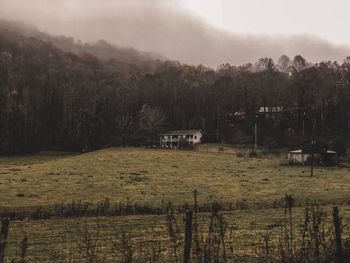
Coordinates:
(59, 94)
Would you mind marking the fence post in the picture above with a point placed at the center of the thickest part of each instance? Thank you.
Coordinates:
(3, 237)
(188, 237)
(337, 230)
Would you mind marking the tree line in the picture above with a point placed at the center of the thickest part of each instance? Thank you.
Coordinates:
(51, 99)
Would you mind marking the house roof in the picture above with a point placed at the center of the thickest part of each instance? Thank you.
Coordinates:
(182, 132)
(314, 146)
(299, 151)
(239, 113)
(296, 151)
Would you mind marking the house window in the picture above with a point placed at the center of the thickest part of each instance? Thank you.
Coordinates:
(195, 137)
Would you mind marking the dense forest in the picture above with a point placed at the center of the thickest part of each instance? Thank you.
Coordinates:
(60, 94)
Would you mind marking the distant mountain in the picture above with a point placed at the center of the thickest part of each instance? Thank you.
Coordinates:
(101, 49)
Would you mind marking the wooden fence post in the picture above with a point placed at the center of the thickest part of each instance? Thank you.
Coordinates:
(337, 230)
(3, 237)
(188, 237)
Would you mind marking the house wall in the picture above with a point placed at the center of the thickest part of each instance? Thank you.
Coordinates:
(174, 141)
(297, 158)
(301, 158)
(198, 136)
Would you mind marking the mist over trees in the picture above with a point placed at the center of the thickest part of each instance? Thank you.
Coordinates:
(52, 98)
(168, 28)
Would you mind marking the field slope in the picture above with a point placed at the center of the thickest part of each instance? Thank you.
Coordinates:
(150, 176)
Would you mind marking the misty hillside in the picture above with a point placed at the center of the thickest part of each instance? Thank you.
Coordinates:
(161, 28)
(54, 99)
(101, 49)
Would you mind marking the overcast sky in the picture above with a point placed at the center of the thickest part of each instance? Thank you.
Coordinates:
(328, 19)
(209, 32)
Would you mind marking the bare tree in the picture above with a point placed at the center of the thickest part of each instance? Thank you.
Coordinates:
(284, 63)
(151, 122)
(299, 63)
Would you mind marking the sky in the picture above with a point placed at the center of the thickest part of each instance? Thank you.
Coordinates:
(209, 32)
(327, 19)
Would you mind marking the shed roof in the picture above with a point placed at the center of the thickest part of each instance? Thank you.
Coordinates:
(296, 151)
(182, 132)
(314, 146)
(299, 151)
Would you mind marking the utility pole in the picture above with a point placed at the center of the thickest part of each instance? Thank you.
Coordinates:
(304, 114)
(217, 126)
(312, 156)
(256, 117)
(256, 135)
(313, 149)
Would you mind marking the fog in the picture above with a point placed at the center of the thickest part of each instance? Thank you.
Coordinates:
(163, 27)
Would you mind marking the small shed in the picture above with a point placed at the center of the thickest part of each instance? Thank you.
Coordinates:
(322, 155)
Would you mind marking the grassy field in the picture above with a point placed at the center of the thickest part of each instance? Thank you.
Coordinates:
(60, 240)
(153, 176)
(150, 176)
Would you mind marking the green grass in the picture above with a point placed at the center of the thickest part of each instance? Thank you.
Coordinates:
(147, 176)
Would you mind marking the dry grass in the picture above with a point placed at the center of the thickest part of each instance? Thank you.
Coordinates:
(148, 176)
(58, 240)
(152, 175)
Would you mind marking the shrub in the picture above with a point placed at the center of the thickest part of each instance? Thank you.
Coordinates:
(270, 143)
(291, 139)
(241, 138)
(184, 144)
(252, 153)
(339, 144)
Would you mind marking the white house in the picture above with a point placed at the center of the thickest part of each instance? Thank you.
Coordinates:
(268, 109)
(265, 111)
(175, 139)
(270, 112)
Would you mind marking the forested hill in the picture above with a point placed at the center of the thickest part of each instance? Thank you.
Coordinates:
(54, 99)
(101, 49)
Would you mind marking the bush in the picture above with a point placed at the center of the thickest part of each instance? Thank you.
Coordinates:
(339, 144)
(184, 144)
(291, 139)
(241, 138)
(270, 143)
(252, 153)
